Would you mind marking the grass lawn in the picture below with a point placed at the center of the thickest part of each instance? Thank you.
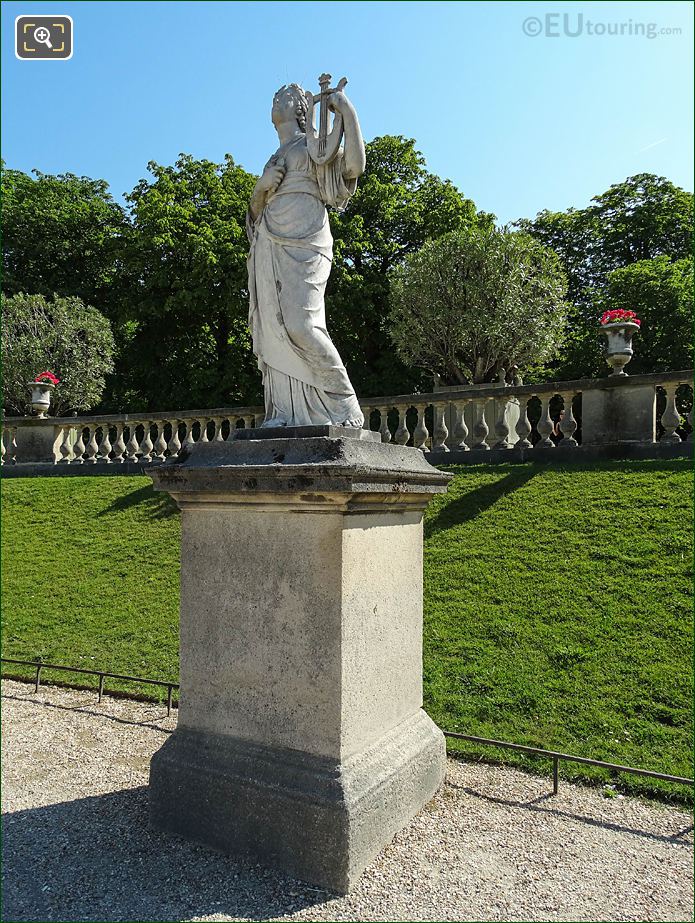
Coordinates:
(557, 601)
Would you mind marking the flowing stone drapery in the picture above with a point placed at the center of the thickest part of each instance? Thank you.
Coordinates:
(304, 379)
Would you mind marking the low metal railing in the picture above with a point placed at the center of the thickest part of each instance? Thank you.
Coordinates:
(554, 755)
(40, 665)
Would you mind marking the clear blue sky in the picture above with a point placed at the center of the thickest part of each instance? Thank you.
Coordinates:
(517, 122)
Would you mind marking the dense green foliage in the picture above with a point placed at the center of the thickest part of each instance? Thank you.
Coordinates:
(557, 600)
(660, 290)
(398, 206)
(168, 270)
(473, 303)
(182, 296)
(59, 335)
(60, 234)
(642, 219)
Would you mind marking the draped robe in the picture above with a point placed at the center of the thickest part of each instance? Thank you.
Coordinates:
(304, 379)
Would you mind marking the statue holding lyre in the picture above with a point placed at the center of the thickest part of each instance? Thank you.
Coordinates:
(304, 379)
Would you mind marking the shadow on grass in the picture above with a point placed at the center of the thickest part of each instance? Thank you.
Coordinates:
(152, 505)
(470, 505)
(96, 858)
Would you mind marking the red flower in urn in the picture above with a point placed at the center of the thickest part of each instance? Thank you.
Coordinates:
(619, 327)
(47, 376)
(620, 317)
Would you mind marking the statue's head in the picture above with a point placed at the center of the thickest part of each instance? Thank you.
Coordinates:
(290, 102)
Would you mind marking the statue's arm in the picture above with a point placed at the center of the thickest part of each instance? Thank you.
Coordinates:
(354, 157)
(265, 187)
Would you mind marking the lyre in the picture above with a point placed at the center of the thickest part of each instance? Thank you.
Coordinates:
(321, 145)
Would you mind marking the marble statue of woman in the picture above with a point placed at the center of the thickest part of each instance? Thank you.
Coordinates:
(304, 380)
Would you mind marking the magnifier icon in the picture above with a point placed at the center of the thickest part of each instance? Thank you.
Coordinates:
(43, 36)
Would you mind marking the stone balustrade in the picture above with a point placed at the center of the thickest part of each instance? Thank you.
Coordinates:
(525, 416)
(518, 419)
(118, 438)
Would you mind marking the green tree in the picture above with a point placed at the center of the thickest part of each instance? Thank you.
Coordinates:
(59, 335)
(660, 290)
(183, 302)
(398, 206)
(61, 234)
(641, 219)
(477, 301)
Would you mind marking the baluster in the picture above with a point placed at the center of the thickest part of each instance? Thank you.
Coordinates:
(119, 445)
(146, 446)
(64, 447)
(105, 445)
(189, 440)
(217, 423)
(420, 434)
(367, 413)
(79, 447)
(402, 434)
(439, 436)
(174, 446)
(243, 423)
(2, 445)
(670, 418)
(133, 446)
(501, 426)
(92, 446)
(160, 446)
(204, 430)
(384, 424)
(8, 444)
(545, 425)
(460, 429)
(523, 426)
(480, 429)
(568, 424)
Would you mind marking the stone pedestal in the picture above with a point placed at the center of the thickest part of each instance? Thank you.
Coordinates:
(37, 441)
(301, 739)
(615, 415)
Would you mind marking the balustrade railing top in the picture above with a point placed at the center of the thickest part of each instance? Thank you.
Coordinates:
(209, 413)
(556, 387)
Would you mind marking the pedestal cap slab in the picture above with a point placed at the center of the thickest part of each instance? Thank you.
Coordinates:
(312, 466)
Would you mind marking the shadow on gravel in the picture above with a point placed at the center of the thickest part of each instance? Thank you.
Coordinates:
(536, 806)
(91, 710)
(96, 859)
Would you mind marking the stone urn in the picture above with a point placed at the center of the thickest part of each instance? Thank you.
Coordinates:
(619, 344)
(41, 397)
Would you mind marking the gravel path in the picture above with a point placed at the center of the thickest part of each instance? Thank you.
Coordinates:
(491, 846)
